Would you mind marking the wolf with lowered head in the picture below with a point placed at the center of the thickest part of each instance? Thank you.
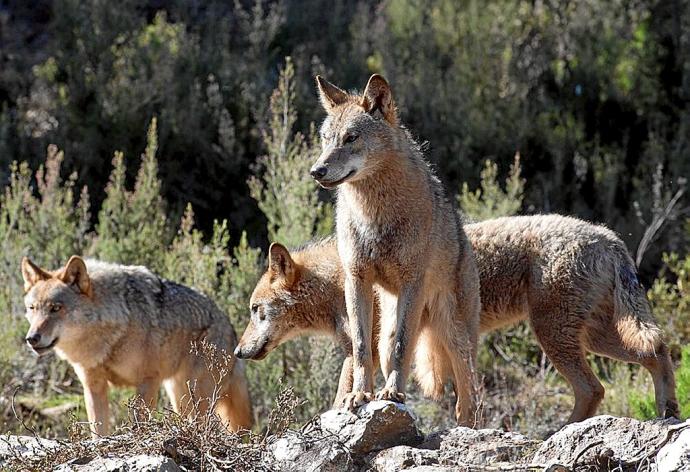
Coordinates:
(574, 281)
(398, 236)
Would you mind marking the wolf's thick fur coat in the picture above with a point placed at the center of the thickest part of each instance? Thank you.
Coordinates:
(126, 326)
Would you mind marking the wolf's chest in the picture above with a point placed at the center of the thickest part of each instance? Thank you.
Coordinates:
(371, 249)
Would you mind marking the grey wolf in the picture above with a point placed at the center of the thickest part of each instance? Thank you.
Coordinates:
(123, 325)
(574, 281)
(398, 237)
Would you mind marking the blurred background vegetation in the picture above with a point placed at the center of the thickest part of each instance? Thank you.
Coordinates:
(594, 95)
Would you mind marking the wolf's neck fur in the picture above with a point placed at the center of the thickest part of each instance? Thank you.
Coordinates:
(398, 183)
(323, 283)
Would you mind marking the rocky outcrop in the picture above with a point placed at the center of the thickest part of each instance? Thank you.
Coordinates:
(605, 441)
(384, 436)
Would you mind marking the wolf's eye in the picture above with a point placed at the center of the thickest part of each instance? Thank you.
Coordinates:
(350, 138)
(31, 308)
(54, 308)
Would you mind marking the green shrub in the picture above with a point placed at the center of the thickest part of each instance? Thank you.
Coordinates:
(670, 298)
(132, 225)
(490, 200)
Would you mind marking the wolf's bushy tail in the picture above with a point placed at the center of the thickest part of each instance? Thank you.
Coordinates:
(430, 365)
(632, 313)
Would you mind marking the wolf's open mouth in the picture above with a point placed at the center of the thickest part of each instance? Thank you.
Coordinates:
(40, 350)
(335, 183)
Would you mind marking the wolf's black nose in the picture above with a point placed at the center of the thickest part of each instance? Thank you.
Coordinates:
(319, 172)
(238, 352)
(33, 339)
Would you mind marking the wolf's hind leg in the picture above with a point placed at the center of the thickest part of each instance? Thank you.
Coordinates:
(148, 392)
(562, 344)
(234, 407)
(455, 332)
(603, 338)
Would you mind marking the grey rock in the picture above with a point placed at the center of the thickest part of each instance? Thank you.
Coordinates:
(310, 453)
(457, 448)
(377, 425)
(138, 463)
(24, 446)
(602, 441)
(676, 454)
(331, 443)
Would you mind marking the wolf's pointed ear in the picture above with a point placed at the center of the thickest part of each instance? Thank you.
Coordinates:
(281, 263)
(74, 273)
(330, 95)
(32, 274)
(378, 96)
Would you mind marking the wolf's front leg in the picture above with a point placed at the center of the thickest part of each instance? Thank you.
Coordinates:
(399, 330)
(359, 300)
(147, 391)
(96, 399)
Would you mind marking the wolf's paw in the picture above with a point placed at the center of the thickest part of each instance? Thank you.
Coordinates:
(672, 410)
(390, 394)
(354, 400)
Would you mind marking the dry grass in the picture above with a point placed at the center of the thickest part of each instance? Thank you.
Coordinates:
(197, 442)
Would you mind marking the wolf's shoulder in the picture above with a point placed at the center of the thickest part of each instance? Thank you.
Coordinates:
(109, 271)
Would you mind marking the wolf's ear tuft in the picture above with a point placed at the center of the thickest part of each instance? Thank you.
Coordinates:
(330, 95)
(280, 262)
(378, 97)
(32, 274)
(74, 273)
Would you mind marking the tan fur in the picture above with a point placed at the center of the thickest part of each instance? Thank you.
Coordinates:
(574, 281)
(124, 326)
(399, 239)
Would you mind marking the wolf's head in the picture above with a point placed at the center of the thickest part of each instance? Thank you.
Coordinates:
(55, 303)
(357, 134)
(284, 305)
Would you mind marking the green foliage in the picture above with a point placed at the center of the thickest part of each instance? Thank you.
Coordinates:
(132, 225)
(670, 298)
(242, 280)
(490, 200)
(286, 193)
(683, 383)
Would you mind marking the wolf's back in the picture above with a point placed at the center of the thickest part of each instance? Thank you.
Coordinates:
(135, 294)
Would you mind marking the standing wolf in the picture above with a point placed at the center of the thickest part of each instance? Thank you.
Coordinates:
(398, 236)
(126, 326)
(574, 281)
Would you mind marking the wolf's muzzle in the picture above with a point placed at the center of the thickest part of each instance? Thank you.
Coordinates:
(34, 340)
